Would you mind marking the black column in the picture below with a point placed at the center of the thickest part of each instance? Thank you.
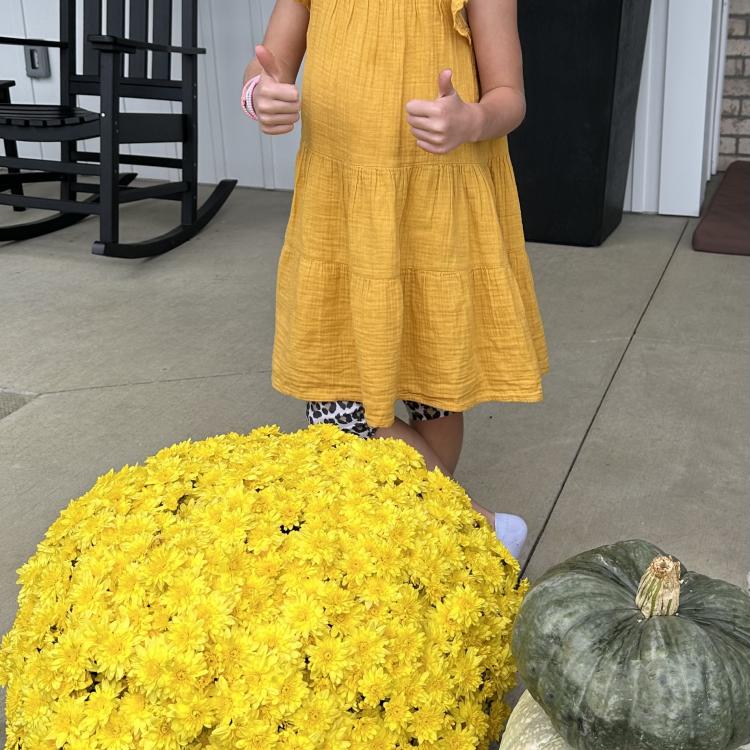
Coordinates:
(582, 69)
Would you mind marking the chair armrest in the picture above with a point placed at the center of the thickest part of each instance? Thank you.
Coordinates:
(32, 42)
(6, 85)
(109, 43)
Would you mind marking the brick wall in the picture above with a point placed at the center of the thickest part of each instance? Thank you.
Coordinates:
(735, 121)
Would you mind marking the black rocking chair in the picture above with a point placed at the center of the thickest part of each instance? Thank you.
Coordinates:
(11, 149)
(104, 74)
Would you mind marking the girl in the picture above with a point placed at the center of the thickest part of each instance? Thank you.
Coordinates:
(403, 273)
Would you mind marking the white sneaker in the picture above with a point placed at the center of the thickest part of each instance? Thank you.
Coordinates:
(511, 531)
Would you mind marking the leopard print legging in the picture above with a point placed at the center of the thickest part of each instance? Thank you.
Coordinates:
(349, 416)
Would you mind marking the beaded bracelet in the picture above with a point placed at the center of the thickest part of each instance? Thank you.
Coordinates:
(247, 97)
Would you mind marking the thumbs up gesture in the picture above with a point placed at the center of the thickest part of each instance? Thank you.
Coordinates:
(276, 103)
(442, 124)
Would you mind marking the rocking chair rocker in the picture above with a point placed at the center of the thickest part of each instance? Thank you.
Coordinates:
(104, 74)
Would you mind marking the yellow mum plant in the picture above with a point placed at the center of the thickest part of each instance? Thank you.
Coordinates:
(265, 591)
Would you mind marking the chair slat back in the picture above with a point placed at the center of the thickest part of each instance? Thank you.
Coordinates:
(142, 20)
(162, 35)
(116, 17)
(138, 30)
(92, 24)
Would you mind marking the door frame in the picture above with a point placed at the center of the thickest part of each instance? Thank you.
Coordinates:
(676, 142)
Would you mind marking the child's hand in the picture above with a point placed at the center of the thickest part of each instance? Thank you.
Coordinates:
(443, 124)
(275, 103)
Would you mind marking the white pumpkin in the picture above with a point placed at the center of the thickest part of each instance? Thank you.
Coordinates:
(529, 728)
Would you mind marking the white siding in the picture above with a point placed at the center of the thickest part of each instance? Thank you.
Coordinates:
(230, 145)
(12, 66)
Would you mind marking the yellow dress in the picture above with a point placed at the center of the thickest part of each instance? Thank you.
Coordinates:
(403, 274)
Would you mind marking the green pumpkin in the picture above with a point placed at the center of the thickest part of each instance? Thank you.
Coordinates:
(672, 673)
(529, 728)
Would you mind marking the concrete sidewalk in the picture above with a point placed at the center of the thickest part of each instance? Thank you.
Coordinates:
(643, 431)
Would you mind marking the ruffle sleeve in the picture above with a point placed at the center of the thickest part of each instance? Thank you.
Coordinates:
(460, 22)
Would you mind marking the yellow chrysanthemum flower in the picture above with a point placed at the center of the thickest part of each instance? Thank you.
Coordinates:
(311, 591)
(67, 723)
(116, 733)
(329, 657)
(428, 722)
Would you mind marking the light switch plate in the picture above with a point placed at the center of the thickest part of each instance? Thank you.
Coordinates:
(37, 62)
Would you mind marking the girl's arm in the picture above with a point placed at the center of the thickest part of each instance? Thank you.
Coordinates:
(494, 32)
(286, 37)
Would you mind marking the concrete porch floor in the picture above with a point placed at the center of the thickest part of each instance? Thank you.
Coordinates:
(643, 431)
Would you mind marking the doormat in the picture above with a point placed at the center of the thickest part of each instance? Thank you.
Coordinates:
(10, 402)
(725, 227)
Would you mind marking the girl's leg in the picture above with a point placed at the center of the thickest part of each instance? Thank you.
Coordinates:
(443, 431)
(444, 434)
(438, 435)
(399, 429)
(349, 417)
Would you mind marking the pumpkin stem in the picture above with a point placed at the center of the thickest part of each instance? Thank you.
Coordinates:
(659, 589)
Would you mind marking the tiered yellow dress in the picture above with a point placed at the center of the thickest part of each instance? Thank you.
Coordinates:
(403, 274)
